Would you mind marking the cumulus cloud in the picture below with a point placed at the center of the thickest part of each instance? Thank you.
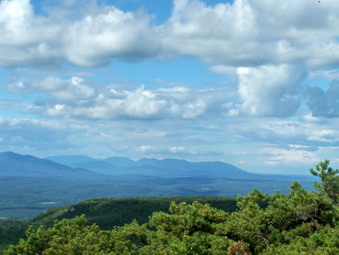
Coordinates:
(267, 47)
(26, 39)
(75, 98)
(324, 103)
(86, 39)
(270, 90)
(64, 89)
(96, 39)
(276, 42)
(256, 32)
(222, 33)
(241, 33)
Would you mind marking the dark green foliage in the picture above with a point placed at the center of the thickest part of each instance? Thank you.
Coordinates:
(66, 237)
(10, 232)
(107, 213)
(297, 223)
(329, 179)
(321, 242)
(286, 217)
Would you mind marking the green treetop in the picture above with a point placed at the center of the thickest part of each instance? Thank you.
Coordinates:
(329, 180)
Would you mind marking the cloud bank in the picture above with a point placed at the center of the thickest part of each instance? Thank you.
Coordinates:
(242, 33)
(279, 44)
(73, 98)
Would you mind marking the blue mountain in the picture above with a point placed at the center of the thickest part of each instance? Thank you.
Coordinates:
(154, 167)
(13, 164)
(120, 161)
(69, 160)
(166, 168)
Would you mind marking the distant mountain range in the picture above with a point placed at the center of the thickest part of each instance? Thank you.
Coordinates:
(84, 167)
(29, 185)
(152, 167)
(166, 168)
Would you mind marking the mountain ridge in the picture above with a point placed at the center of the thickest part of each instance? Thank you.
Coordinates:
(156, 167)
(169, 168)
(14, 164)
(82, 166)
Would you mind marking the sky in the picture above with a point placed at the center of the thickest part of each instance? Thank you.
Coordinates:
(254, 83)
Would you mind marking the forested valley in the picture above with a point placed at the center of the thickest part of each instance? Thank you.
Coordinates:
(298, 222)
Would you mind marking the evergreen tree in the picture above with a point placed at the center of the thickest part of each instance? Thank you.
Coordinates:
(329, 179)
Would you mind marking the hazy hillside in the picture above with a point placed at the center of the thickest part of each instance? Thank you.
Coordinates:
(13, 164)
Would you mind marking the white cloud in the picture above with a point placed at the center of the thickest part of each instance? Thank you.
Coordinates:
(299, 147)
(222, 69)
(86, 39)
(324, 134)
(74, 98)
(75, 90)
(97, 38)
(242, 33)
(266, 46)
(292, 156)
(331, 74)
(64, 89)
(286, 133)
(256, 32)
(26, 39)
(29, 135)
(221, 34)
(324, 103)
(176, 149)
(270, 90)
(145, 148)
(273, 40)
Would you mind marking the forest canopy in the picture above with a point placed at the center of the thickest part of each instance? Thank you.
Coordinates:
(299, 222)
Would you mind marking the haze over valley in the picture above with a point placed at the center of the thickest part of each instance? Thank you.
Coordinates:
(30, 185)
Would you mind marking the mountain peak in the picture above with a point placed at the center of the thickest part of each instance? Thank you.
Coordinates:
(14, 164)
(9, 154)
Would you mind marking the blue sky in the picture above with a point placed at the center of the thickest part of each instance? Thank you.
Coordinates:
(250, 82)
